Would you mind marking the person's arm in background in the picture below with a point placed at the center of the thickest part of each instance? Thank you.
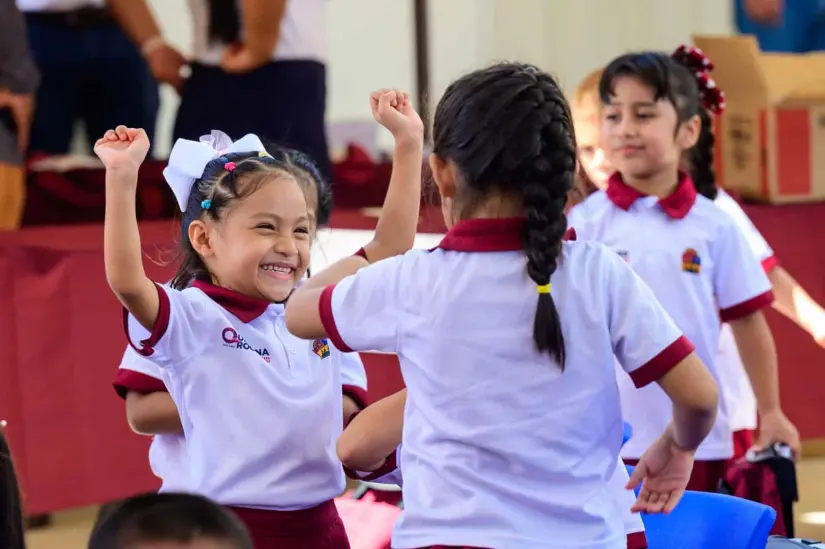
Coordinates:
(261, 25)
(152, 413)
(793, 301)
(19, 76)
(138, 21)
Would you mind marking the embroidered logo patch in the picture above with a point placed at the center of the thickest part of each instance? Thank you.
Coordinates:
(321, 348)
(691, 262)
(231, 338)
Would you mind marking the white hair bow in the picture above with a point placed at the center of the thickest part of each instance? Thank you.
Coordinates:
(188, 159)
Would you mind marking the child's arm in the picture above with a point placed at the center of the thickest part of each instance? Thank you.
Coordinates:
(695, 399)
(758, 352)
(152, 413)
(373, 434)
(122, 152)
(794, 302)
(398, 221)
(742, 290)
(651, 348)
(397, 224)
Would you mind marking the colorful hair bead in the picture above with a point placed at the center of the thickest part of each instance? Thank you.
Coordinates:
(229, 166)
(206, 204)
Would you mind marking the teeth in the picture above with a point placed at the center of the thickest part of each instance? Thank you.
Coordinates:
(277, 268)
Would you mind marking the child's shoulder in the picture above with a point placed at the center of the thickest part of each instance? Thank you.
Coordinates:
(596, 200)
(712, 214)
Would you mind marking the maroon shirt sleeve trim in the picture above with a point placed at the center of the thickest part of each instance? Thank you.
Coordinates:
(637, 540)
(390, 465)
(130, 380)
(769, 264)
(147, 346)
(746, 307)
(328, 321)
(357, 394)
(665, 361)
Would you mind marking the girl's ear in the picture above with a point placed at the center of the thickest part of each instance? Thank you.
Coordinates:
(688, 134)
(199, 237)
(443, 176)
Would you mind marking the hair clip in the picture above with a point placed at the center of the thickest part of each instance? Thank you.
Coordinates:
(206, 204)
(229, 166)
(264, 154)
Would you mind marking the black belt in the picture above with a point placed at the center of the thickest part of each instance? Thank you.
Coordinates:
(80, 18)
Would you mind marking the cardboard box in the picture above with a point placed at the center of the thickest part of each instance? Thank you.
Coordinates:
(771, 139)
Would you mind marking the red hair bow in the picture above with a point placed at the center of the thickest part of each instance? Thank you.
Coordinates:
(700, 65)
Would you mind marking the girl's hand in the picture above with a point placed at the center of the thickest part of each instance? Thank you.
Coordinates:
(238, 58)
(123, 148)
(663, 471)
(776, 427)
(393, 110)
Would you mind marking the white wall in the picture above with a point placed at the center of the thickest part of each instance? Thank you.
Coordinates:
(371, 41)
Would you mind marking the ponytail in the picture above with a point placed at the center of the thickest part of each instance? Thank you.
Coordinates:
(701, 159)
(544, 230)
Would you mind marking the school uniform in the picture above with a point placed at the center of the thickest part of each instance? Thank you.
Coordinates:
(261, 412)
(735, 386)
(503, 448)
(700, 267)
(283, 101)
(167, 453)
(624, 499)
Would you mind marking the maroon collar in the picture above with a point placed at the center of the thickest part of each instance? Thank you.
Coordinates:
(677, 205)
(489, 235)
(244, 307)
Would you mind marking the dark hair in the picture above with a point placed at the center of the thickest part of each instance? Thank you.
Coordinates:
(508, 129)
(221, 187)
(181, 518)
(11, 512)
(672, 81)
(224, 21)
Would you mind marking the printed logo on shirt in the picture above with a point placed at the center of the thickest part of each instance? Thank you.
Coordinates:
(321, 348)
(624, 254)
(232, 338)
(691, 262)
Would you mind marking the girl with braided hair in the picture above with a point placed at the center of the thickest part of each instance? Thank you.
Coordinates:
(689, 252)
(506, 335)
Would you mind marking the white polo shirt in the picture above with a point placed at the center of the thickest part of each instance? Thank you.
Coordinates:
(699, 266)
(503, 448)
(260, 408)
(167, 453)
(58, 5)
(734, 382)
(303, 32)
(624, 499)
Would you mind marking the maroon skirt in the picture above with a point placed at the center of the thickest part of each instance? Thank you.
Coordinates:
(318, 527)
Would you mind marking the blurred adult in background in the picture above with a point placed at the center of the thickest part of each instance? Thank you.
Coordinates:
(91, 72)
(258, 66)
(18, 81)
(11, 512)
(785, 26)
